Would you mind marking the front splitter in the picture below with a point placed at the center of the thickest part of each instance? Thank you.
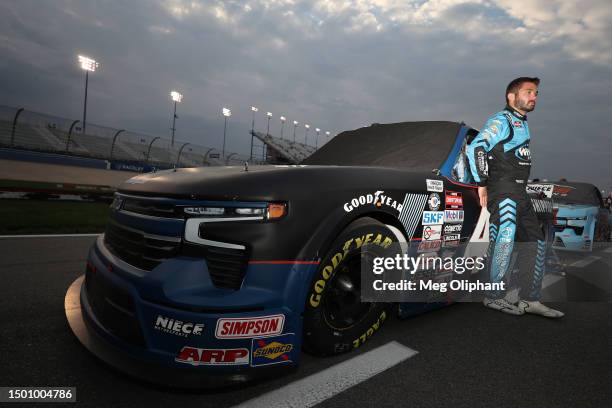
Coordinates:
(145, 371)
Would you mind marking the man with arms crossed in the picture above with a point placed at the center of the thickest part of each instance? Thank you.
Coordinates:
(500, 162)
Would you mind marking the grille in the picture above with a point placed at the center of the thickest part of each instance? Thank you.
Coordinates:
(226, 267)
(114, 308)
(152, 208)
(137, 248)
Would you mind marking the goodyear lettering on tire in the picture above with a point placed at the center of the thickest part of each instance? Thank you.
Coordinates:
(371, 330)
(329, 269)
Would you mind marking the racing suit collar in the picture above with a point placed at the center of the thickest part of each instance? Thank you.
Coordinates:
(515, 112)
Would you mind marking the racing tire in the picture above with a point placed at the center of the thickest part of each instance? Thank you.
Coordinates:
(335, 319)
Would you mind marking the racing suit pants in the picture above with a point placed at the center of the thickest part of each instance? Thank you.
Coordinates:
(513, 219)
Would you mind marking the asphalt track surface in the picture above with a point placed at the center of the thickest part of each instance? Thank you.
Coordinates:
(467, 356)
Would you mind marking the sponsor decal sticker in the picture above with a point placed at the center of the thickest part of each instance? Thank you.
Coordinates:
(452, 228)
(453, 216)
(437, 186)
(434, 201)
(271, 350)
(429, 246)
(198, 356)
(517, 124)
(482, 162)
(453, 200)
(546, 189)
(452, 237)
(562, 190)
(178, 327)
(244, 328)
(451, 244)
(523, 153)
(432, 232)
(433, 217)
(378, 199)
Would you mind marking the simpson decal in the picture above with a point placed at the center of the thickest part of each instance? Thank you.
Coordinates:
(243, 328)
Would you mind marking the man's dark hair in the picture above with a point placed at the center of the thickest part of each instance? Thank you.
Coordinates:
(515, 85)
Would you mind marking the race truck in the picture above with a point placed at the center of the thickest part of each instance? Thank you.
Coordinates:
(212, 275)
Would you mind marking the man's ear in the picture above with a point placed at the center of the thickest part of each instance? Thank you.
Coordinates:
(511, 97)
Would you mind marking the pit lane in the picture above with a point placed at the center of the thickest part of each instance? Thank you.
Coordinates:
(467, 355)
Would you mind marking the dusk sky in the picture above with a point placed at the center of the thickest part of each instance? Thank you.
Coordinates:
(336, 65)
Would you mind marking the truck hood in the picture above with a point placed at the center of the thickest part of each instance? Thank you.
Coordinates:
(268, 183)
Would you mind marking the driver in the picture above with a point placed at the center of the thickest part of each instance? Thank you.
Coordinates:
(500, 162)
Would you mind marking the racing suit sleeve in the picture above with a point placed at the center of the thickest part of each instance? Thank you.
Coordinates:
(494, 131)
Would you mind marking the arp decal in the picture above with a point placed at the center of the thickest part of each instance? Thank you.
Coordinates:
(432, 232)
(453, 200)
(198, 356)
(437, 186)
(433, 217)
(272, 350)
(242, 328)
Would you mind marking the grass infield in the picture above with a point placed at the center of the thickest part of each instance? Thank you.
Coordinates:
(51, 217)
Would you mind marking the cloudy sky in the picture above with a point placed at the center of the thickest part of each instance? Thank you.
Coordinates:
(336, 65)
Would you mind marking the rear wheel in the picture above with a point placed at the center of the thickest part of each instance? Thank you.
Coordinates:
(335, 319)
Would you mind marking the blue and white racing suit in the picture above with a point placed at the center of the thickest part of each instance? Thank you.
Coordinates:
(500, 159)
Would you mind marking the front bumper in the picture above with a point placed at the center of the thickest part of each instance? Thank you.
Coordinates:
(116, 316)
(567, 240)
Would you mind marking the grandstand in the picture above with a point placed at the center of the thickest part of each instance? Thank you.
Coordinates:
(282, 151)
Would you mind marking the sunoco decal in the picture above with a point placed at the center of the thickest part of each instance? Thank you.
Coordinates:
(377, 199)
(197, 356)
(178, 327)
(245, 328)
(272, 350)
(437, 186)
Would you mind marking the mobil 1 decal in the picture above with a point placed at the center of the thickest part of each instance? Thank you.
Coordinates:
(412, 210)
(453, 200)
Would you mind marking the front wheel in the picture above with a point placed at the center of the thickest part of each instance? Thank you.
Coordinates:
(335, 319)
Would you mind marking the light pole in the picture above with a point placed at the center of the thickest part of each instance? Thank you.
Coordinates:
(176, 97)
(269, 114)
(306, 134)
(327, 133)
(317, 139)
(226, 114)
(295, 123)
(282, 119)
(253, 109)
(88, 65)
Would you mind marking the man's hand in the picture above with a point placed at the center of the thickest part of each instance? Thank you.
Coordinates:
(482, 195)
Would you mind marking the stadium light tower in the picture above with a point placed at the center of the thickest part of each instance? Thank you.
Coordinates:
(317, 139)
(282, 119)
(306, 134)
(327, 133)
(88, 65)
(295, 123)
(226, 114)
(177, 98)
(269, 114)
(253, 109)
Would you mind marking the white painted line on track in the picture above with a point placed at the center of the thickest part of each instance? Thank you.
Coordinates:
(609, 250)
(318, 387)
(49, 236)
(584, 262)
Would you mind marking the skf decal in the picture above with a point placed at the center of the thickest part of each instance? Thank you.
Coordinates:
(329, 269)
(437, 186)
(178, 327)
(433, 217)
(377, 199)
(432, 232)
(411, 212)
(453, 216)
(272, 350)
(453, 200)
(242, 328)
(197, 356)
(434, 201)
